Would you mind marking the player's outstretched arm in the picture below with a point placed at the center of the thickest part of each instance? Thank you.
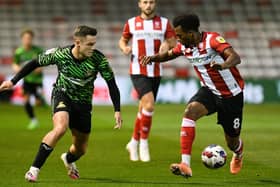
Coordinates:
(115, 97)
(160, 57)
(25, 70)
(28, 68)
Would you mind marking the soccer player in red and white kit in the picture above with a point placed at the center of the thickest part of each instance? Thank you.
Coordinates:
(150, 34)
(214, 61)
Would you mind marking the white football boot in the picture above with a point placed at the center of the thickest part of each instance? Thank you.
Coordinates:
(132, 148)
(144, 151)
(32, 174)
(72, 170)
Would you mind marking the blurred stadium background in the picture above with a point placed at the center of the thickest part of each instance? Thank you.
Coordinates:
(251, 26)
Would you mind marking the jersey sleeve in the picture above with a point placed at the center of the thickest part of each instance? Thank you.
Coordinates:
(177, 50)
(104, 67)
(218, 43)
(48, 57)
(126, 31)
(169, 31)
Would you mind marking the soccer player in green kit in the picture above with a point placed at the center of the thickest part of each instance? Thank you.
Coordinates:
(78, 66)
(34, 81)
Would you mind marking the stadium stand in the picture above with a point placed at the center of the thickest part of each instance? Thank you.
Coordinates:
(251, 26)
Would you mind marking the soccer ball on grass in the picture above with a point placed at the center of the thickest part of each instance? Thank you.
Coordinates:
(214, 156)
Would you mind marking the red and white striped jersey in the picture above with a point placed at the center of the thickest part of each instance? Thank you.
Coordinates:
(225, 83)
(147, 36)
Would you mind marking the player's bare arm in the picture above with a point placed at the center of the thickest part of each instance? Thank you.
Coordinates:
(160, 57)
(123, 45)
(167, 44)
(232, 59)
(118, 119)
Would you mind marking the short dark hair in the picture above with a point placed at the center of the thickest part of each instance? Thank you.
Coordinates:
(187, 22)
(27, 31)
(83, 31)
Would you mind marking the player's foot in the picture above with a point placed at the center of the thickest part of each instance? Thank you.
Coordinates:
(72, 170)
(181, 169)
(133, 152)
(33, 124)
(144, 152)
(32, 174)
(236, 164)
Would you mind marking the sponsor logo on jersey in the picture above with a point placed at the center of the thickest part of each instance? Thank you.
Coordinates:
(220, 39)
(61, 105)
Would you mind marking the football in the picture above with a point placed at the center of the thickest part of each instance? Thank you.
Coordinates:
(214, 156)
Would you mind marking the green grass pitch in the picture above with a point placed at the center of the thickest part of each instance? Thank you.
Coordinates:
(106, 162)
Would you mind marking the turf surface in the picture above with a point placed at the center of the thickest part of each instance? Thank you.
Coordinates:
(106, 162)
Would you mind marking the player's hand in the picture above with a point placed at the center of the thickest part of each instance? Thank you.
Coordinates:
(144, 60)
(127, 50)
(214, 65)
(6, 85)
(119, 120)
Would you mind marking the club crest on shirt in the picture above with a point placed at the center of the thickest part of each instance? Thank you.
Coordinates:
(138, 24)
(220, 39)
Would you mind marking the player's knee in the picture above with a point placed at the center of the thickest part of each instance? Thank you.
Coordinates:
(60, 130)
(192, 111)
(149, 106)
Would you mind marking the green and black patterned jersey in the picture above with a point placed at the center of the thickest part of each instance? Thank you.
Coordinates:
(76, 78)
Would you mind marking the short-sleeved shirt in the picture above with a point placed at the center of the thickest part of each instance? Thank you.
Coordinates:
(22, 56)
(75, 78)
(147, 36)
(224, 83)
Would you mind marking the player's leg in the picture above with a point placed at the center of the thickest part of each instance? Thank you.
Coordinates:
(77, 149)
(144, 88)
(28, 90)
(60, 125)
(61, 110)
(230, 117)
(148, 103)
(236, 145)
(80, 125)
(201, 104)
(148, 92)
(132, 145)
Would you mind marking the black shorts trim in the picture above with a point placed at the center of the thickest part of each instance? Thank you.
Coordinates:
(229, 110)
(79, 113)
(144, 84)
